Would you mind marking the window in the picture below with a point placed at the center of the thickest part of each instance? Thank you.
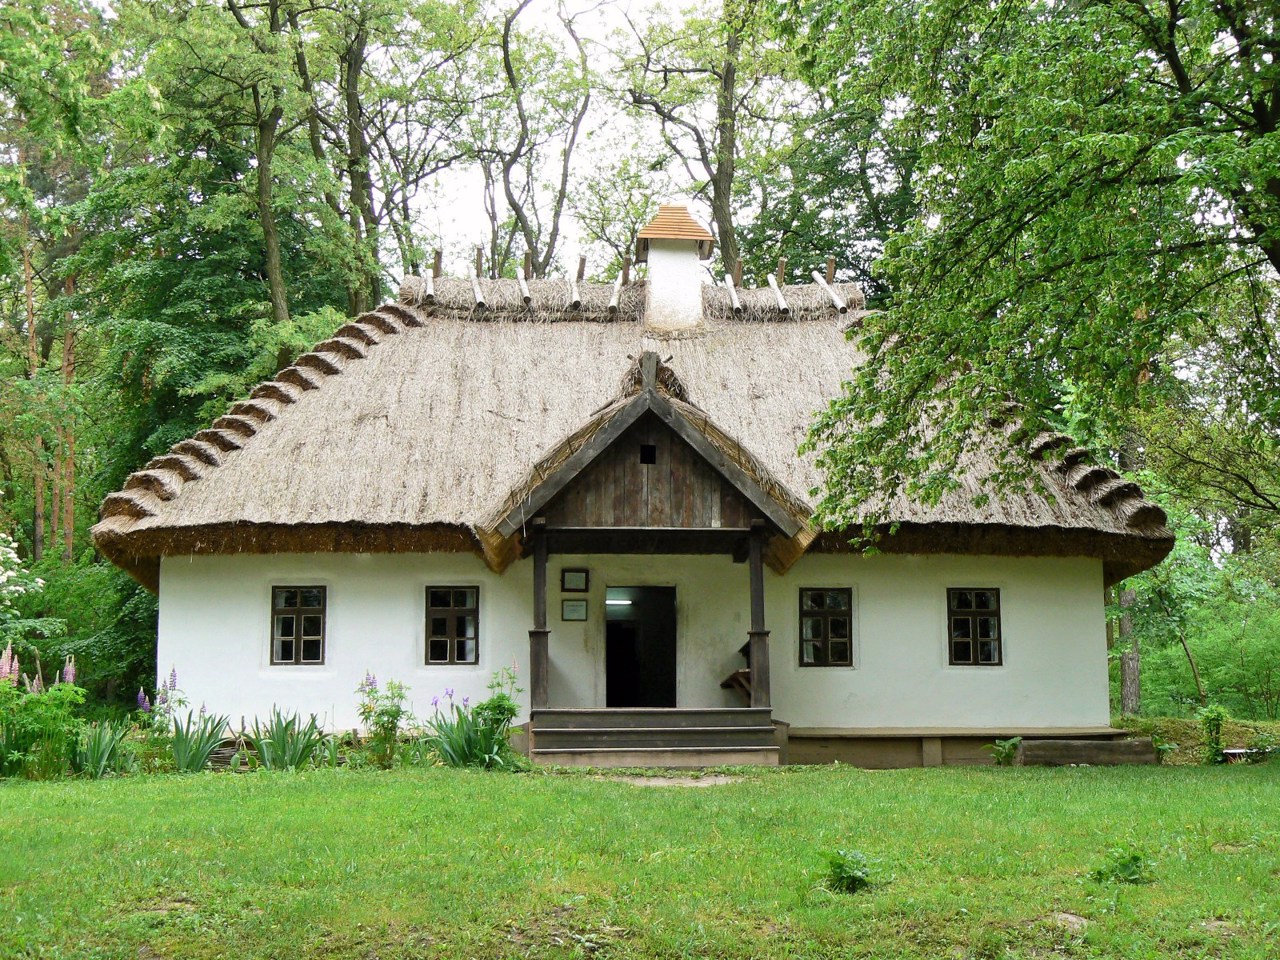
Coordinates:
(973, 621)
(297, 624)
(826, 628)
(453, 624)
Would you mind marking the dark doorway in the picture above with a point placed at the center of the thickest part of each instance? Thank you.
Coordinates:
(640, 647)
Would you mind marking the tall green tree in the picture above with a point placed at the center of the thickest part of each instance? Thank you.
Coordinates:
(1098, 189)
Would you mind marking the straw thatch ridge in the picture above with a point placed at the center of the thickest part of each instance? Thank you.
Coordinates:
(551, 301)
(408, 427)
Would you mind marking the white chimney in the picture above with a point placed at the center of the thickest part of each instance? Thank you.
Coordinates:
(673, 244)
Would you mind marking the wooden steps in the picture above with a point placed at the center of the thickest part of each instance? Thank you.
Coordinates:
(653, 737)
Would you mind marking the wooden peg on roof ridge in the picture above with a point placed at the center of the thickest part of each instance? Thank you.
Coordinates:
(437, 265)
(831, 270)
(528, 265)
(737, 274)
(479, 261)
(582, 268)
(626, 270)
(782, 271)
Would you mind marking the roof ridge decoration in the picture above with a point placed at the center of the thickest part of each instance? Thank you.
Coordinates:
(163, 478)
(649, 385)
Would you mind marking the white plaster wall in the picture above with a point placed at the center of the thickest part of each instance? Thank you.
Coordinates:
(214, 626)
(674, 290)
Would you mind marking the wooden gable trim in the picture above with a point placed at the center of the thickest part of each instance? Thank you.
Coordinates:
(739, 478)
(577, 461)
(648, 400)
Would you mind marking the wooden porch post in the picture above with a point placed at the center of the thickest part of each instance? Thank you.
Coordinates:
(758, 652)
(538, 636)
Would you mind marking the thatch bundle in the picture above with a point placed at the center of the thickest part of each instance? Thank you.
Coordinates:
(411, 426)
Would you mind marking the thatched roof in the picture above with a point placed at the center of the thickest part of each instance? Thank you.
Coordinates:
(414, 427)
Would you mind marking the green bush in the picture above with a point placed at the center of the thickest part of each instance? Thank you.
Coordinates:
(1004, 752)
(1211, 720)
(849, 871)
(465, 736)
(383, 713)
(103, 748)
(1125, 863)
(39, 729)
(194, 741)
(285, 742)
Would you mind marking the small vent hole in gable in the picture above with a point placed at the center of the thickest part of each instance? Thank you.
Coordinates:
(648, 453)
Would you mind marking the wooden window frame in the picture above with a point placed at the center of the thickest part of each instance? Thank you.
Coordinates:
(973, 615)
(298, 612)
(825, 615)
(451, 614)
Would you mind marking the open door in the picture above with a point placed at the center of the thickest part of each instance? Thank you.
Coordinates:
(640, 647)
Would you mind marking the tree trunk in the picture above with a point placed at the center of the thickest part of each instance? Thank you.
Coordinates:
(69, 434)
(726, 149)
(1130, 659)
(267, 127)
(353, 61)
(33, 368)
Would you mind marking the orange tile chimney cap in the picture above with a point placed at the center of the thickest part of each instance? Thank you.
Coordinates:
(673, 222)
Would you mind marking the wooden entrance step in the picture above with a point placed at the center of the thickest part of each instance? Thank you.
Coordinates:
(653, 737)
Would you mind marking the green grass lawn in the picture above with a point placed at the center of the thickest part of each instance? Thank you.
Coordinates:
(434, 862)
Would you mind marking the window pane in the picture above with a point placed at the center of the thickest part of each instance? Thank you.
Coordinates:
(811, 628)
(312, 598)
(987, 628)
(466, 627)
(284, 651)
(961, 628)
(466, 651)
(439, 598)
(837, 600)
(962, 600)
(285, 625)
(311, 650)
(838, 628)
(286, 598)
(439, 626)
(438, 650)
(312, 625)
(811, 599)
(988, 651)
(962, 651)
(809, 652)
(984, 600)
(464, 599)
(838, 651)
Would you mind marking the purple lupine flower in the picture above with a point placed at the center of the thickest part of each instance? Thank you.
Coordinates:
(162, 696)
(173, 679)
(144, 702)
(69, 671)
(370, 682)
(9, 668)
(203, 711)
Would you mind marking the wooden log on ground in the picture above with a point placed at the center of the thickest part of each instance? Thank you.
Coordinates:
(1096, 753)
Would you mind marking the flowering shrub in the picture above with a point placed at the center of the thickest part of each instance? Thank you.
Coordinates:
(464, 736)
(39, 730)
(383, 712)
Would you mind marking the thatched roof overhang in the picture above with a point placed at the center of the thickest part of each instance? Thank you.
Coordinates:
(413, 426)
(652, 387)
